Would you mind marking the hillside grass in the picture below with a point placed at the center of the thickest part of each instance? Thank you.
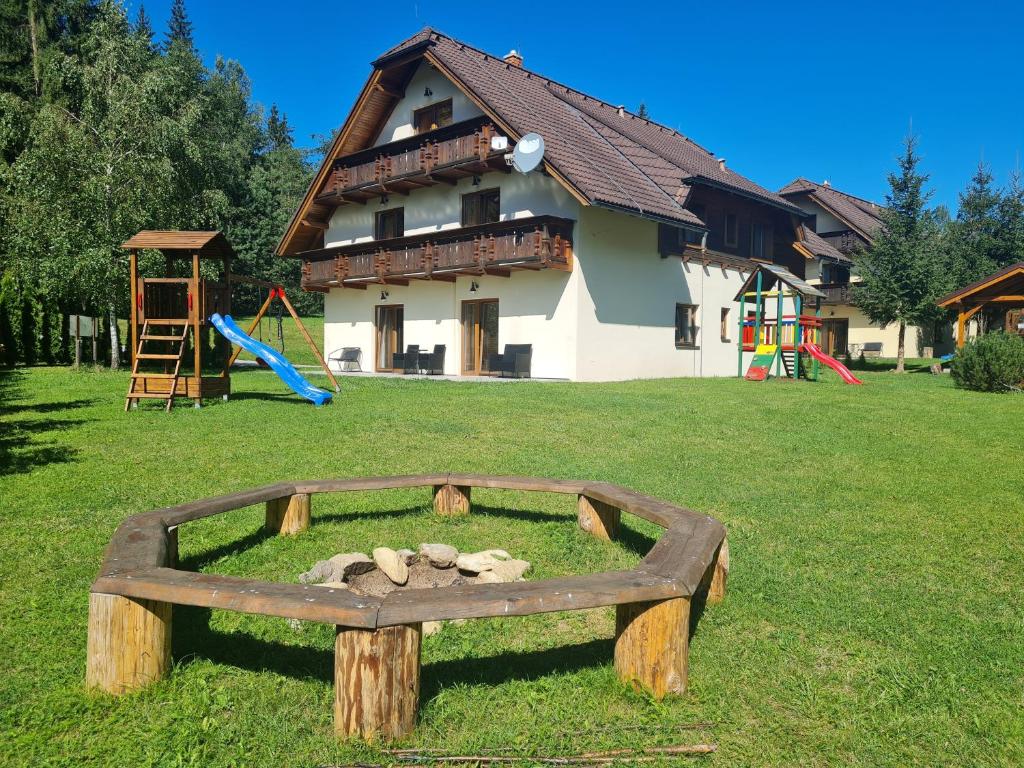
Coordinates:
(874, 614)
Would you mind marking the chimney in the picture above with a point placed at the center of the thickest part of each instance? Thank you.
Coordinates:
(721, 163)
(513, 58)
(621, 109)
(825, 183)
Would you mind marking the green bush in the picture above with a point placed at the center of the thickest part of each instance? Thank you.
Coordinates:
(991, 363)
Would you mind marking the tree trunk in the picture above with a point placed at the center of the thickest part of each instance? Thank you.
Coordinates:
(115, 339)
(901, 347)
(35, 48)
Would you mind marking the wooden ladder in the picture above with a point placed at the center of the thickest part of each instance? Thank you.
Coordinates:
(139, 379)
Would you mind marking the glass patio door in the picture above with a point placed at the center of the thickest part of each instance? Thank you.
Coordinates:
(389, 321)
(479, 335)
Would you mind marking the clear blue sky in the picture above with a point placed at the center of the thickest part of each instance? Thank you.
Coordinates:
(781, 89)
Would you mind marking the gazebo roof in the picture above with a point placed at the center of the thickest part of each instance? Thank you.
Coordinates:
(1005, 285)
(174, 242)
(778, 273)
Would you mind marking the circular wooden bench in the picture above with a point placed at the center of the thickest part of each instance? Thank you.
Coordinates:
(657, 602)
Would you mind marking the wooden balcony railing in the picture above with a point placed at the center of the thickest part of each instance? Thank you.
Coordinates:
(836, 293)
(537, 242)
(461, 149)
(844, 242)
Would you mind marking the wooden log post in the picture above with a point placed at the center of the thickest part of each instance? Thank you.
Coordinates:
(377, 681)
(172, 546)
(716, 593)
(451, 499)
(129, 643)
(597, 518)
(289, 515)
(652, 645)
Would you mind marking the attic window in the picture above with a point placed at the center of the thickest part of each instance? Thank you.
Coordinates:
(433, 117)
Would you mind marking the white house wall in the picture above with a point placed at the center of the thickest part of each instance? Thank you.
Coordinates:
(537, 308)
(628, 299)
(434, 209)
(399, 124)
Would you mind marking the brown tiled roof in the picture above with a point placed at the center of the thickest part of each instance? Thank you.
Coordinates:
(618, 160)
(862, 216)
(1012, 275)
(821, 248)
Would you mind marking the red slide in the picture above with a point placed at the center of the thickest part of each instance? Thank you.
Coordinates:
(844, 373)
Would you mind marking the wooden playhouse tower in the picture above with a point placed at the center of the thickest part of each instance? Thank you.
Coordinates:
(170, 318)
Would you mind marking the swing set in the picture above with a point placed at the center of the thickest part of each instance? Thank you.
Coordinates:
(277, 292)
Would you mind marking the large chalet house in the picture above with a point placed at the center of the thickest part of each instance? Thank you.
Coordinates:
(837, 225)
(619, 257)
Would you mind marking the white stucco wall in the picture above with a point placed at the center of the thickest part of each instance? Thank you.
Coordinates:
(537, 308)
(824, 221)
(438, 208)
(399, 125)
(628, 299)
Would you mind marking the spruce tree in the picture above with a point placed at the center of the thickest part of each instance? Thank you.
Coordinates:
(902, 272)
(1010, 228)
(179, 28)
(279, 133)
(972, 238)
(641, 111)
(143, 27)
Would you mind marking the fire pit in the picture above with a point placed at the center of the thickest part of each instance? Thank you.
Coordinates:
(377, 646)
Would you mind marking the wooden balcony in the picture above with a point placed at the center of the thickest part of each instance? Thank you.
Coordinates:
(439, 157)
(537, 242)
(844, 242)
(836, 293)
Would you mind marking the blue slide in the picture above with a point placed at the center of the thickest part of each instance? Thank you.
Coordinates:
(229, 329)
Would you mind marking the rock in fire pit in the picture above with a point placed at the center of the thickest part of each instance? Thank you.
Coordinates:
(434, 566)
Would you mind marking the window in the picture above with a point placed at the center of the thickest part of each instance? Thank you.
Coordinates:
(686, 325)
(672, 241)
(834, 274)
(732, 230)
(725, 324)
(482, 207)
(760, 241)
(435, 116)
(388, 224)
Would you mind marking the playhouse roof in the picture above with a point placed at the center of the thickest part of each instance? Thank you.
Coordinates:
(174, 242)
(777, 273)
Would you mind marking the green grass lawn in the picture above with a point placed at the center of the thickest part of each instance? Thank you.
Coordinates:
(874, 614)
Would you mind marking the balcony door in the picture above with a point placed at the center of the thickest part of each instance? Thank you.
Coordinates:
(388, 322)
(479, 335)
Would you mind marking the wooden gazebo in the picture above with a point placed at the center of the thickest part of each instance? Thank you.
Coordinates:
(167, 311)
(1003, 289)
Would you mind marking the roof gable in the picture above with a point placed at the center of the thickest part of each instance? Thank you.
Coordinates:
(862, 216)
(603, 155)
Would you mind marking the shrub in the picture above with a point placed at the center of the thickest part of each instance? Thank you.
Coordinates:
(991, 363)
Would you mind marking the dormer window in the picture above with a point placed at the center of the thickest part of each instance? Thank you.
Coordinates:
(433, 117)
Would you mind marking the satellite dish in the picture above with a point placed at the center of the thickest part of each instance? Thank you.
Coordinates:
(528, 152)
